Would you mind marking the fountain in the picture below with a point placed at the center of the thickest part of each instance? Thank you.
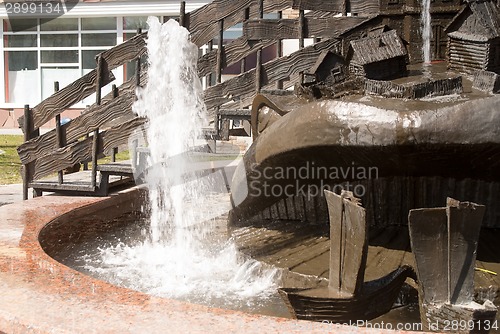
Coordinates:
(361, 120)
(426, 31)
(181, 255)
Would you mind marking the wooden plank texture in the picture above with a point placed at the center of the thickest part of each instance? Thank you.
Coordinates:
(116, 168)
(365, 7)
(276, 5)
(331, 27)
(235, 112)
(243, 85)
(45, 144)
(324, 5)
(81, 151)
(202, 22)
(118, 110)
(348, 243)
(96, 117)
(66, 97)
(233, 52)
(428, 235)
(78, 183)
(271, 29)
(208, 61)
(464, 223)
(247, 101)
(125, 52)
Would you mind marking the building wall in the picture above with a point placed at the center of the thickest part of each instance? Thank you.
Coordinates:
(364, 7)
(409, 28)
(387, 69)
(64, 49)
(356, 70)
(392, 6)
(494, 56)
(467, 56)
(60, 50)
(358, 32)
(405, 17)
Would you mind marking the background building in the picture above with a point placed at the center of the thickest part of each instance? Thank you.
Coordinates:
(64, 49)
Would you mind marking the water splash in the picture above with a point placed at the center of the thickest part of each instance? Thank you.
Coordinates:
(182, 256)
(172, 101)
(425, 21)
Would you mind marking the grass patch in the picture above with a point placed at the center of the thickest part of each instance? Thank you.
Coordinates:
(10, 165)
(120, 156)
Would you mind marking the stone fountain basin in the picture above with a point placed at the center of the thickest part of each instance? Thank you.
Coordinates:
(40, 295)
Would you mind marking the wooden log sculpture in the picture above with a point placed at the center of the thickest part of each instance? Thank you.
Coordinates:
(444, 242)
(347, 298)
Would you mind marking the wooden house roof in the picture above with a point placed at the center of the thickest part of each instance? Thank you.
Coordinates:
(478, 21)
(326, 59)
(375, 31)
(343, 25)
(386, 45)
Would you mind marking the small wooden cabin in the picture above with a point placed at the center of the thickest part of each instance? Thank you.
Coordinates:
(379, 57)
(330, 68)
(474, 38)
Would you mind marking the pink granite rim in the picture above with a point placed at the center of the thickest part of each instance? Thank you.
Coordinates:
(41, 295)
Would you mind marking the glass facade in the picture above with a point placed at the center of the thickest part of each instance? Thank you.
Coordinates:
(61, 50)
(64, 49)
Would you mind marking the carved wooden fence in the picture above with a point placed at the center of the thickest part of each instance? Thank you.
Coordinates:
(109, 122)
(100, 129)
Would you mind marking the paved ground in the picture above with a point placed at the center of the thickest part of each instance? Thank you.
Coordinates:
(11, 132)
(11, 193)
(18, 131)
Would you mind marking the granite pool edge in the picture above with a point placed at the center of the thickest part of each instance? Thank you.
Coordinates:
(41, 295)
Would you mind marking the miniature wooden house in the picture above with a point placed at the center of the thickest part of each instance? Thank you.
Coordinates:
(378, 57)
(474, 38)
(330, 68)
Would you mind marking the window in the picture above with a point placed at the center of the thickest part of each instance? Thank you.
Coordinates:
(60, 24)
(20, 25)
(38, 52)
(234, 32)
(89, 59)
(49, 40)
(134, 23)
(108, 40)
(21, 41)
(130, 26)
(21, 71)
(37, 56)
(99, 23)
(60, 57)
